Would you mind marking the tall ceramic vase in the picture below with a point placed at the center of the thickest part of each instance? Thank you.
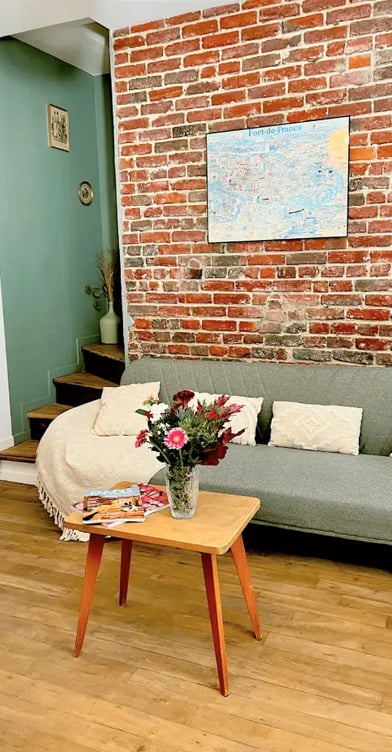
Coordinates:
(182, 485)
(109, 326)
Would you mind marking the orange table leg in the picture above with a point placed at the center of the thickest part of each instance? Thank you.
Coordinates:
(94, 555)
(210, 571)
(241, 564)
(126, 553)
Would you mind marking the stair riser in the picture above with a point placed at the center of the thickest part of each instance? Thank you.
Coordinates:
(106, 368)
(74, 395)
(38, 427)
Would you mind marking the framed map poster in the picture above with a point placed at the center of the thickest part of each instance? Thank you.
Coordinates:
(278, 182)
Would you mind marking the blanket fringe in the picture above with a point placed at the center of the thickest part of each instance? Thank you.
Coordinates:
(58, 518)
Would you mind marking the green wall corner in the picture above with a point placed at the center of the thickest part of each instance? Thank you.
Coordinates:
(48, 239)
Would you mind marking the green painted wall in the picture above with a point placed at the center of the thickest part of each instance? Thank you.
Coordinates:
(48, 239)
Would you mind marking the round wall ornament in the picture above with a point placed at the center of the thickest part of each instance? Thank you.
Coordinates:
(85, 193)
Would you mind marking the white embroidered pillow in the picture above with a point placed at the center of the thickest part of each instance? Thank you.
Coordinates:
(246, 418)
(323, 428)
(116, 415)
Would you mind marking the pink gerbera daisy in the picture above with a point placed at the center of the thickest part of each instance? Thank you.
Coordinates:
(176, 438)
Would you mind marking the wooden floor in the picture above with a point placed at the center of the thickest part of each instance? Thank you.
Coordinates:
(320, 681)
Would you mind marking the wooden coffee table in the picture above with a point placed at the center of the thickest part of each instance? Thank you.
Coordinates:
(216, 527)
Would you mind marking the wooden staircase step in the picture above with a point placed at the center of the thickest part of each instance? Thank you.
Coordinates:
(115, 352)
(40, 418)
(48, 412)
(106, 361)
(24, 452)
(80, 387)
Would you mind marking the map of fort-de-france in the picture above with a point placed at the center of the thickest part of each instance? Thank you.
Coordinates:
(278, 182)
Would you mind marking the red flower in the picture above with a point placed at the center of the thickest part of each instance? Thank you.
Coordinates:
(228, 435)
(184, 397)
(234, 408)
(212, 414)
(215, 455)
(221, 400)
(141, 437)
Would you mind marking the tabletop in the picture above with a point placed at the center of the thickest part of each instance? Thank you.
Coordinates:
(220, 518)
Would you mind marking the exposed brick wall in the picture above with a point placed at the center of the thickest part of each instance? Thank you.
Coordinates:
(244, 65)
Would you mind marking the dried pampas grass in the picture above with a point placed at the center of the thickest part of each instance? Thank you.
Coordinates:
(107, 261)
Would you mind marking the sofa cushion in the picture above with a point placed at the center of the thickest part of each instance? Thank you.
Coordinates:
(246, 418)
(116, 415)
(325, 428)
(316, 492)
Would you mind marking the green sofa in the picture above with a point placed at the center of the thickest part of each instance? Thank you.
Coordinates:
(318, 492)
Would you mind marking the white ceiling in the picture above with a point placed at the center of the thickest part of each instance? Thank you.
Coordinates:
(76, 31)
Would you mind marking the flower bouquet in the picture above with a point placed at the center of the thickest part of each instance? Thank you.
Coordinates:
(187, 433)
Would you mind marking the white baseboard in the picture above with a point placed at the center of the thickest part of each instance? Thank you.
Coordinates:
(6, 443)
(19, 472)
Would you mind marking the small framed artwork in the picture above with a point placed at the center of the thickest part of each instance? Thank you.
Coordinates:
(58, 128)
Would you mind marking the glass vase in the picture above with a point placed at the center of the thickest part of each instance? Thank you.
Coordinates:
(182, 485)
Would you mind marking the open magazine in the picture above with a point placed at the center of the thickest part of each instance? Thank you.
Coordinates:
(112, 507)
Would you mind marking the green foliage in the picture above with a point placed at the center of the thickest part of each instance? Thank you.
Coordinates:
(97, 293)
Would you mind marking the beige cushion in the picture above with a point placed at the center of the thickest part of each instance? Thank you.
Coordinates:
(116, 415)
(246, 418)
(325, 428)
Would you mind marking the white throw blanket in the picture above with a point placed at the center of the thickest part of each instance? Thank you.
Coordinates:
(71, 459)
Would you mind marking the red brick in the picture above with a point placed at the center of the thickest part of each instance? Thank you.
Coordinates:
(327, 97)
(319, 327)
(283, 104)
(183, 48)
(308, 84)
(266, 91)
(372, 344)
(133, 124)
(201, 58)
(220, 40)
(335, 48)
(349, 14)
(278, 74)
(200, 28)
(281, 11)
(219, 325)
(218, 351)
(239, 352)
(239, 82)
(315, 114)
(381, 137)
(372, 314)
(302, 22)
(231, 66)
(197, 116)
(260, 31)
(324, 35)
(384, 152)
(237, 20)
(343, 328)
(242, 110)
(170, 92)
(359, 61)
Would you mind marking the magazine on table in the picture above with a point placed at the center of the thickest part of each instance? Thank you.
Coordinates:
(112, 507)
(115, 510)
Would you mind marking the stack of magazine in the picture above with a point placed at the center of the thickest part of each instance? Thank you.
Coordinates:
(111, 507)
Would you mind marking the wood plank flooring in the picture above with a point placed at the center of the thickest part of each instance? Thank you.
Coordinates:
(320, 680)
